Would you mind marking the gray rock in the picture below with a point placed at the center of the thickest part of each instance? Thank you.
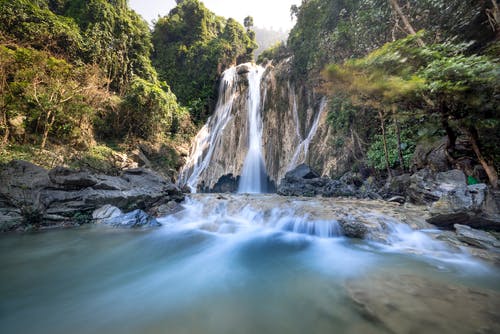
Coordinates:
(472, 205)
(105, 212)
(475, 237)
(353, 228)
(134, 219)
(71, 179)
(62, 192)
(397, 186)
(396, 199)
(427, 187)
(433, 156)
(302, 171)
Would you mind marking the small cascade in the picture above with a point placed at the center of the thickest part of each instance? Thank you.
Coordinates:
(207, 138)
(254, 176)
(302, 149)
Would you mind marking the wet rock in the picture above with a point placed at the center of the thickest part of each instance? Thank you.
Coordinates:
(106, 212)
(226, 184)
(473, 205)
(476, 238)
(167, 209)
(242, 69)
(396, 199)
(134, 219)
(353, 228)
(303, 181)
(302, 171)
(336, 188)
(37, 194)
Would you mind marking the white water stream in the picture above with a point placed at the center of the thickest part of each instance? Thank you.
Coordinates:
(207, 138)
(253, 176)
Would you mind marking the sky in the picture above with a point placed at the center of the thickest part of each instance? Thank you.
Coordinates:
(266, 13)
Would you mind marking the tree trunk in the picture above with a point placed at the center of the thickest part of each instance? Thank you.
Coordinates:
(400, 151)
(406, 22)
(489, 168)
(384, 139)
(452, 136)
(6, 133)
(50, 119)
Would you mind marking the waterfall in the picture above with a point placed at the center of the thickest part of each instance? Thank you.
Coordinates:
(207, 138)
(254, 176)
(303, 148)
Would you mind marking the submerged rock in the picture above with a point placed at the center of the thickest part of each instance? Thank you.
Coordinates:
(402, 303)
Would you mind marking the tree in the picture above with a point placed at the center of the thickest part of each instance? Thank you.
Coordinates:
(195, 42)
(248, 22)
(459, 88)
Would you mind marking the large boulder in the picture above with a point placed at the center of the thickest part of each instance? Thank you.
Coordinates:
(302, 171)
(431, 156)
(226, 184)
(38, 195)
(474, 205)
(426, 186)
(70, 179)
(304, 181)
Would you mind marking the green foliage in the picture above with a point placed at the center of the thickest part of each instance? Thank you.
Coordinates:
(440, 79)
(85, 68)
(116, 38)
(51, 95)
(148, 109)
(332, 31)
(192, 47)
(276, 52)
(375, 153)
(32, 23)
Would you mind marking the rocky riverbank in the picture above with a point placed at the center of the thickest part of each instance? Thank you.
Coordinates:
(446, 201)
(32, 197)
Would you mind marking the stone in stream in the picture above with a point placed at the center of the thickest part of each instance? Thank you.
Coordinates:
(133, 219)
(353, 228)
(476, 238)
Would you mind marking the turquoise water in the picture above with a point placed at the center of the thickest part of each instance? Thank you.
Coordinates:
(236, 276)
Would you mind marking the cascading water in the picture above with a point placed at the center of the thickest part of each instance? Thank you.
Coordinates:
(300, 154)
(254, 176)
(207, 138)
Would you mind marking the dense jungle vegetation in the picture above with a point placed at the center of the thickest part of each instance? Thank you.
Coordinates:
(92, 77)
(80, 73)
(414, 71)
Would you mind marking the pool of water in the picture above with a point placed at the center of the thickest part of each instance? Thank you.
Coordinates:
(240, 272)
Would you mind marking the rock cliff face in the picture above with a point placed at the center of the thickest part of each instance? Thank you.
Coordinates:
(294, 130)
